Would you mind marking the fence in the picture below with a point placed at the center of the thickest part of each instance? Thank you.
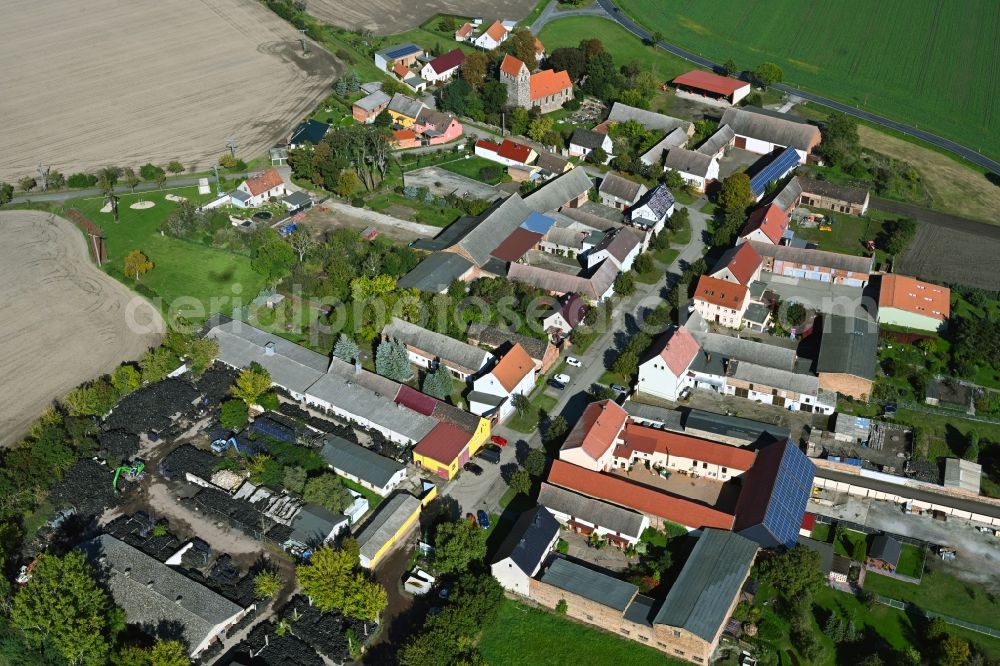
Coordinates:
(864, 529)
(916, 610)
(95, 236)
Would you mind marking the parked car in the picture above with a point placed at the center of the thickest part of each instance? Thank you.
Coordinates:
(556, 385)
(562, 378)
(618, 388)
(484, 519)
(574, 361)
(498, 440)
(490, 454)
(472, 467)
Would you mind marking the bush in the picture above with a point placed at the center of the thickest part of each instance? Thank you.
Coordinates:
(81, 180)
(150, 171)
(233, 414)
(269, 401)
(358, 202)
(572, 105)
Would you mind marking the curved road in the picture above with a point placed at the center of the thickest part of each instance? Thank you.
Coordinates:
(960, 150)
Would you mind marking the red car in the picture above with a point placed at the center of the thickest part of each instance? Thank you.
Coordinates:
(498, 440)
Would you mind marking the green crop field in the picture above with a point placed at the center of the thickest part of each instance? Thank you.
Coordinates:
(934, 64)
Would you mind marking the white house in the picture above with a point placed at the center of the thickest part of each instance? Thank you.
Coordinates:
(492, 394)
(665, 375)
(254, 192)
(585, 141)
(652, 209)
(720, 301)
(620, 246)
(377, 473)
(740, 265)
(492, 37)
(443, 67)
(619, 192)
(525, 549)
(697, 169)
(583, 514)
(592, 440)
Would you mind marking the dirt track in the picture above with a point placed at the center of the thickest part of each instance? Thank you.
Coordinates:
(110, 82)
(387, 17)
(64, 321)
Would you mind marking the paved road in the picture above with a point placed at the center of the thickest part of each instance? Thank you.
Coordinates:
(172, 183)
(967, 153)
(552, 12)
(484, 492)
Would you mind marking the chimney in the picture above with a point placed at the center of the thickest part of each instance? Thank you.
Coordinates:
(127, 571)
(708, 357)
(178, 600)
(357, 367)
(269, 349)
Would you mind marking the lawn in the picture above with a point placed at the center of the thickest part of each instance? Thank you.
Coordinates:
(941, 593)
(418, 212)
(373, 498)
(944, 435)
(623, 46)
(470, 167)
(533, 637)
(851, 544)
(896, 58)
(181, 269)
(528, 423)
(666, 256)
(911, 561)
(682, 236)
(847, 233)
(821, 532)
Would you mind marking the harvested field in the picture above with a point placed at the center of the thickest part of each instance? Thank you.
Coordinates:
(64, 320)
(388, 17)
(954, 253)
(126, 83)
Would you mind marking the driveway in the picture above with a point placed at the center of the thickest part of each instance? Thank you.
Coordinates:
(552, 11)
(442, 182)
(381, 220)
(821, 296)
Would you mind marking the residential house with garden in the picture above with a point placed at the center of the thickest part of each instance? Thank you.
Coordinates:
(254, 192)
(619, 192)
(697, 169)
(443, 67)
(651, 210)
(493, 393)
(594, 436)
(366, 109)
(398, 55)
(913, 304)
(585, 141)
(429, 350)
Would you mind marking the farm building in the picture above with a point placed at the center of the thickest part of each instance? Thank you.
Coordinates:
(443, 67)
(664, 373)
(779, 167)
(710, 88)
(910, 303)
(838, 198)
(584, 515)
(429, 349)
(591, 441)
(800, 262)
(717, 144)
(697, 169)
(446, 448)
(367, 108)
(507, 152)
(352, 461)
(404, 55)
(720, 301)
(568, 190)
(595, 286)
(775, 493)
(963, 474)
(652, 121)
(387, 527)
(314, 526)
(675, 451)
(542, 352)
(522, 553)
(847, 352)
(436, 273)
(763, 132)
(677, 138)
(619, 192)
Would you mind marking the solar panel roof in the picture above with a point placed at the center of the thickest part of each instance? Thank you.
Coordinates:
(778, 167)
(400, 50)
(538, 223)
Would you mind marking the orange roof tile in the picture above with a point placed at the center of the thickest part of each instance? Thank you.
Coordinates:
(264, 182)
(404, 135)
(549, 82)
(679, 350)
(910, 294)
(634, 496)
(597, 429)
(400, 70)
(443, 443)
(744, 263)
(497, 31)
(653, 440)
(513, 367)
(720, 292)
(720, 85)
(771, 220)
(515, 151)
(464, 31)
(511, 66)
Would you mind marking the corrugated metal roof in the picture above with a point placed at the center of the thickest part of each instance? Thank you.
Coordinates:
(626, 522)
(358, 461)
(589, 584)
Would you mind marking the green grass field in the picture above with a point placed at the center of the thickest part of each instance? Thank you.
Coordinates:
(470, 167)
(911, 561)
(941, 593)
(533, 637)
(930, 63)
(182, 269)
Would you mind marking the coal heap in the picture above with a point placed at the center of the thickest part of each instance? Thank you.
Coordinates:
(214, 385)
(117, 446)
(137, 530)
(324, 632)
(278, 650)
(226, 579)
(153, 408)
(219, 505)
(317, 423)
(87, 487)
(187, 458)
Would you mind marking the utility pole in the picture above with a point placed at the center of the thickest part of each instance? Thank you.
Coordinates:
(232, 144)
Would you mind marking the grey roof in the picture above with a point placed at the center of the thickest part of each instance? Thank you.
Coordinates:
(640, 610)
(833, 191)
(651, 120)
(589, 584)
(292, 366)
(397, 51)
(848, 346)
(740, 349)
(405, 105)
(586, 218)
(733, 426)
(774, 377)
(415, 82)
(451, 351)
(494, 336)
(711, 579)
(358, 461)
(154, 595)
(766, 127)
(240, 196)
(963, 474)
(670, 419)
(528, 542)
(493, 227)
(801, 255)
(674, 139)
(299, 198)
(435, 273)
(620, 187)
(314, 524)
(756, 313)
(619, 243)
(825, 551)
(587, 138)
(886, 548)
(551, 161)
(566, 237)
(438, 119)
(386, 522)
(723, 137)
(368, 395)
(615, 518)
(371, 86)
(559, 191)
(373, 101)
(593, 287)
(659, 200)
(486, 398)
(789, 194)
(688, 161)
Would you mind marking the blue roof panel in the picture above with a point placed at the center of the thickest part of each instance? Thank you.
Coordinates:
(401, 50)
(538, 223)
(778, 167)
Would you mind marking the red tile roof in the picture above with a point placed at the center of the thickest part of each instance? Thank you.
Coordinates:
(513, 367)
(634, 496)
(516, 245)
(448, 61)
(720, 85)
(679, 351)
(511, 65)
(597, 428)
(515, 151)
(808, 521)
(497, 31)
(264, 182)
(464, 31)
(415, 400)
(404, 135)
(744, 263)
(771, 220)
(488, 145)
(443, 443)
(401, 70)
(720, 292)
(549, 82)
(650, 440)
(910, 294)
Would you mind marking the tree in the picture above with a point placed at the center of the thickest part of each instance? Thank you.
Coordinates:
(251, 383)
(266, 584)
(597, 156)
(954, 651)
(447, 24)
(534, 463)
(294, 479)
(302, 242)
(521, 45)
(494, 95)
(6, 193)
(768, 73)
(556, 429)
(626, 365)
(898, 234)
(656, 38)
(519, 120)
(233, 414)
(795, 314)
(131, 178)
(347, 183)
(327, 491)
(570, 59)
(438, 383)
(972, 448)
(126, 379)
(272, 258)
(520, 482)
(175, 167)
(161, 179)
(458, 544)
(137, 264)
(730, 67)
(625, 284)
(735, 193)
(521, 404)
(794, 573)
(168, 653)
(200, 353)
(841, 144)
(331, 581)
(643, 263)
(93, 399)
(148, 171)
(62, 607)
(27, 184)
(346, 349)
(392, 361)
(156, 364)
(474, 69)
(539, 127)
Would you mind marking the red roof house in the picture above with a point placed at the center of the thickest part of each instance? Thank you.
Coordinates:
(740, 264)
(590, 442)
(767, 224)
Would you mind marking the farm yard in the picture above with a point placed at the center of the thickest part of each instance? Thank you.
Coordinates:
(930, 63)
(64, 320)
(171, 80)
(949, 253)
(388, 17)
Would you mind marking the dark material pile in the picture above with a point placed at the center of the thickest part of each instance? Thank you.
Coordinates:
(277, 650)
(137, 531)
(324, 632)
(924, 470)
(317, 423)
(226, 579)
(275, 425)
(219, 505)
(87, 487)
(187, 458)
(388, 448)
(117, 446)
(153, 407)
(280, 533)
(214, 385)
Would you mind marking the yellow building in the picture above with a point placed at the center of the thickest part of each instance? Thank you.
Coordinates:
(387, 528)
(404, 110)
(446, 448)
